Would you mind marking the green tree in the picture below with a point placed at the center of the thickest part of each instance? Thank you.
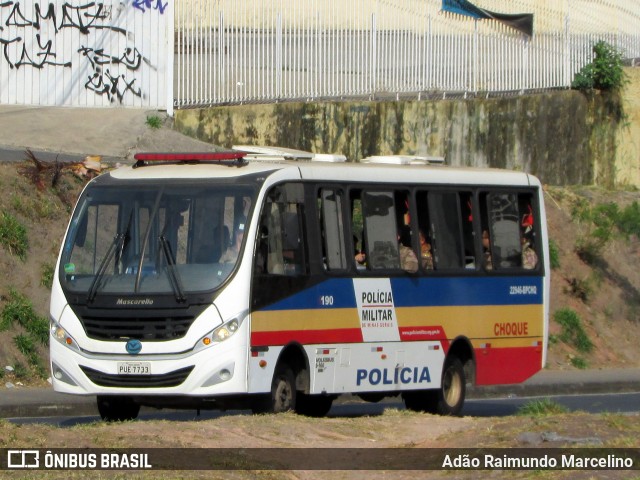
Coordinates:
(604, 72)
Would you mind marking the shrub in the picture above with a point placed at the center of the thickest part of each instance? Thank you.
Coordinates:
(554, 254)
(20, 371)
(27, 347)
(601, 227)
(628, 221)
(19, 309)
(13, 235)
(579, 363)
(605, 72)
(572, 331)
(47, 271)
(154, 121)
(25, 344)
(581, 289)
(541, 407)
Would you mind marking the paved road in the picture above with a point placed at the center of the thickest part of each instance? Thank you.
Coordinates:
(628, 403)
(39, 402)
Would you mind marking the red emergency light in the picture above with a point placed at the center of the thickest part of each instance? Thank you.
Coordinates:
(232, 157)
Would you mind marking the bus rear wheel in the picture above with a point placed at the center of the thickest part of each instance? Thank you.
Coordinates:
(117, 409)
(283, 393)
(448, 399)
(453, 388)
(313, 405)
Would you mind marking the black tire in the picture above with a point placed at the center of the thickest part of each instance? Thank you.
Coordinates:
(453, 388)
(313, 405)
(421, 400)
(448, 399)
(117, 409)
(283, 393)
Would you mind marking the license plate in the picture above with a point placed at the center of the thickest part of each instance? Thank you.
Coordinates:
(134, 368)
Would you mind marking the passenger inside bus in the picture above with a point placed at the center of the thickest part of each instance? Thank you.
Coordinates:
(486, 250)
(211, 250)
(359, 255)
(408, 260)
(230, 255)
(529, 256)
(426, 258)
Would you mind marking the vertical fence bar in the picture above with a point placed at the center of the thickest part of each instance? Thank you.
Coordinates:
(278, 66)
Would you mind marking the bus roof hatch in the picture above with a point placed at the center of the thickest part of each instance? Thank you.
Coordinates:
(403, 160)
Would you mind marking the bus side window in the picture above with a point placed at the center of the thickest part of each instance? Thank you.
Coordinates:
(380, 226)
(446, 229)
(332, 226)
(502, 218)
(528, 232)
(280, 249)
(486, 261)
(466, 215)
(424, 232)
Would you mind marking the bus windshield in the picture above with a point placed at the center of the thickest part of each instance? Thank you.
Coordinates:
(155, 238)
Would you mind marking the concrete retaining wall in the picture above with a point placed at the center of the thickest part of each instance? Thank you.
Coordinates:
(563, 137)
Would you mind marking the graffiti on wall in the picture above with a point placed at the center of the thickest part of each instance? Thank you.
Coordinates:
(145, 5)
(38, 36)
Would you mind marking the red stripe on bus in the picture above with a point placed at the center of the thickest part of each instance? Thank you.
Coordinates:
(306, 337)
(495, 366)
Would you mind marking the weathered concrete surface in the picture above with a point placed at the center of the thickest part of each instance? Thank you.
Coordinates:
(628, 141)
(563, 137)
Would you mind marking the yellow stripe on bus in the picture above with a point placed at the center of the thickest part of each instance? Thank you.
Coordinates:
(505, 342)
(486, 321)
(475, 321)
(287, 320)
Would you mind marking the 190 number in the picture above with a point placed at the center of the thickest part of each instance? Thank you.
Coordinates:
(326, 300)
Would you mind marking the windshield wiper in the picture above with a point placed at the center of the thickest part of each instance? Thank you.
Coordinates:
(174, 277)
(116, 247)
(118, 240)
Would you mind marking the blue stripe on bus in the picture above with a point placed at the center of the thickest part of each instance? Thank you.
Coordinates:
(466, 291)
(422, 292)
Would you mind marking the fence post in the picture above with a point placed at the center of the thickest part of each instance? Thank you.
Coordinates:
(170, 38)
(278, 66)
(475, 56)
(373, 64)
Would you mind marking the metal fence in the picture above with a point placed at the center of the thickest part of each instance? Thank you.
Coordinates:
(240, 51)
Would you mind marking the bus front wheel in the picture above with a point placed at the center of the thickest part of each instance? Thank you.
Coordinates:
(448, 399)
(117, 409)
(283, 393)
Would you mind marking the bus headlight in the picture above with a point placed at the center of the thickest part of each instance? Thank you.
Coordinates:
(218, 335)
(60, 334)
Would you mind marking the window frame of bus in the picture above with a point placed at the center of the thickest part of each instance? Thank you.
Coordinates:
(434, 214)
(292, 193)
(483, 206)
(341, 228)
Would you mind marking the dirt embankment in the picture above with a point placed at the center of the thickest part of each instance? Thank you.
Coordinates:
(604, 293)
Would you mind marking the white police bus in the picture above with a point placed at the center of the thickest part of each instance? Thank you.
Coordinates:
(220, 280)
